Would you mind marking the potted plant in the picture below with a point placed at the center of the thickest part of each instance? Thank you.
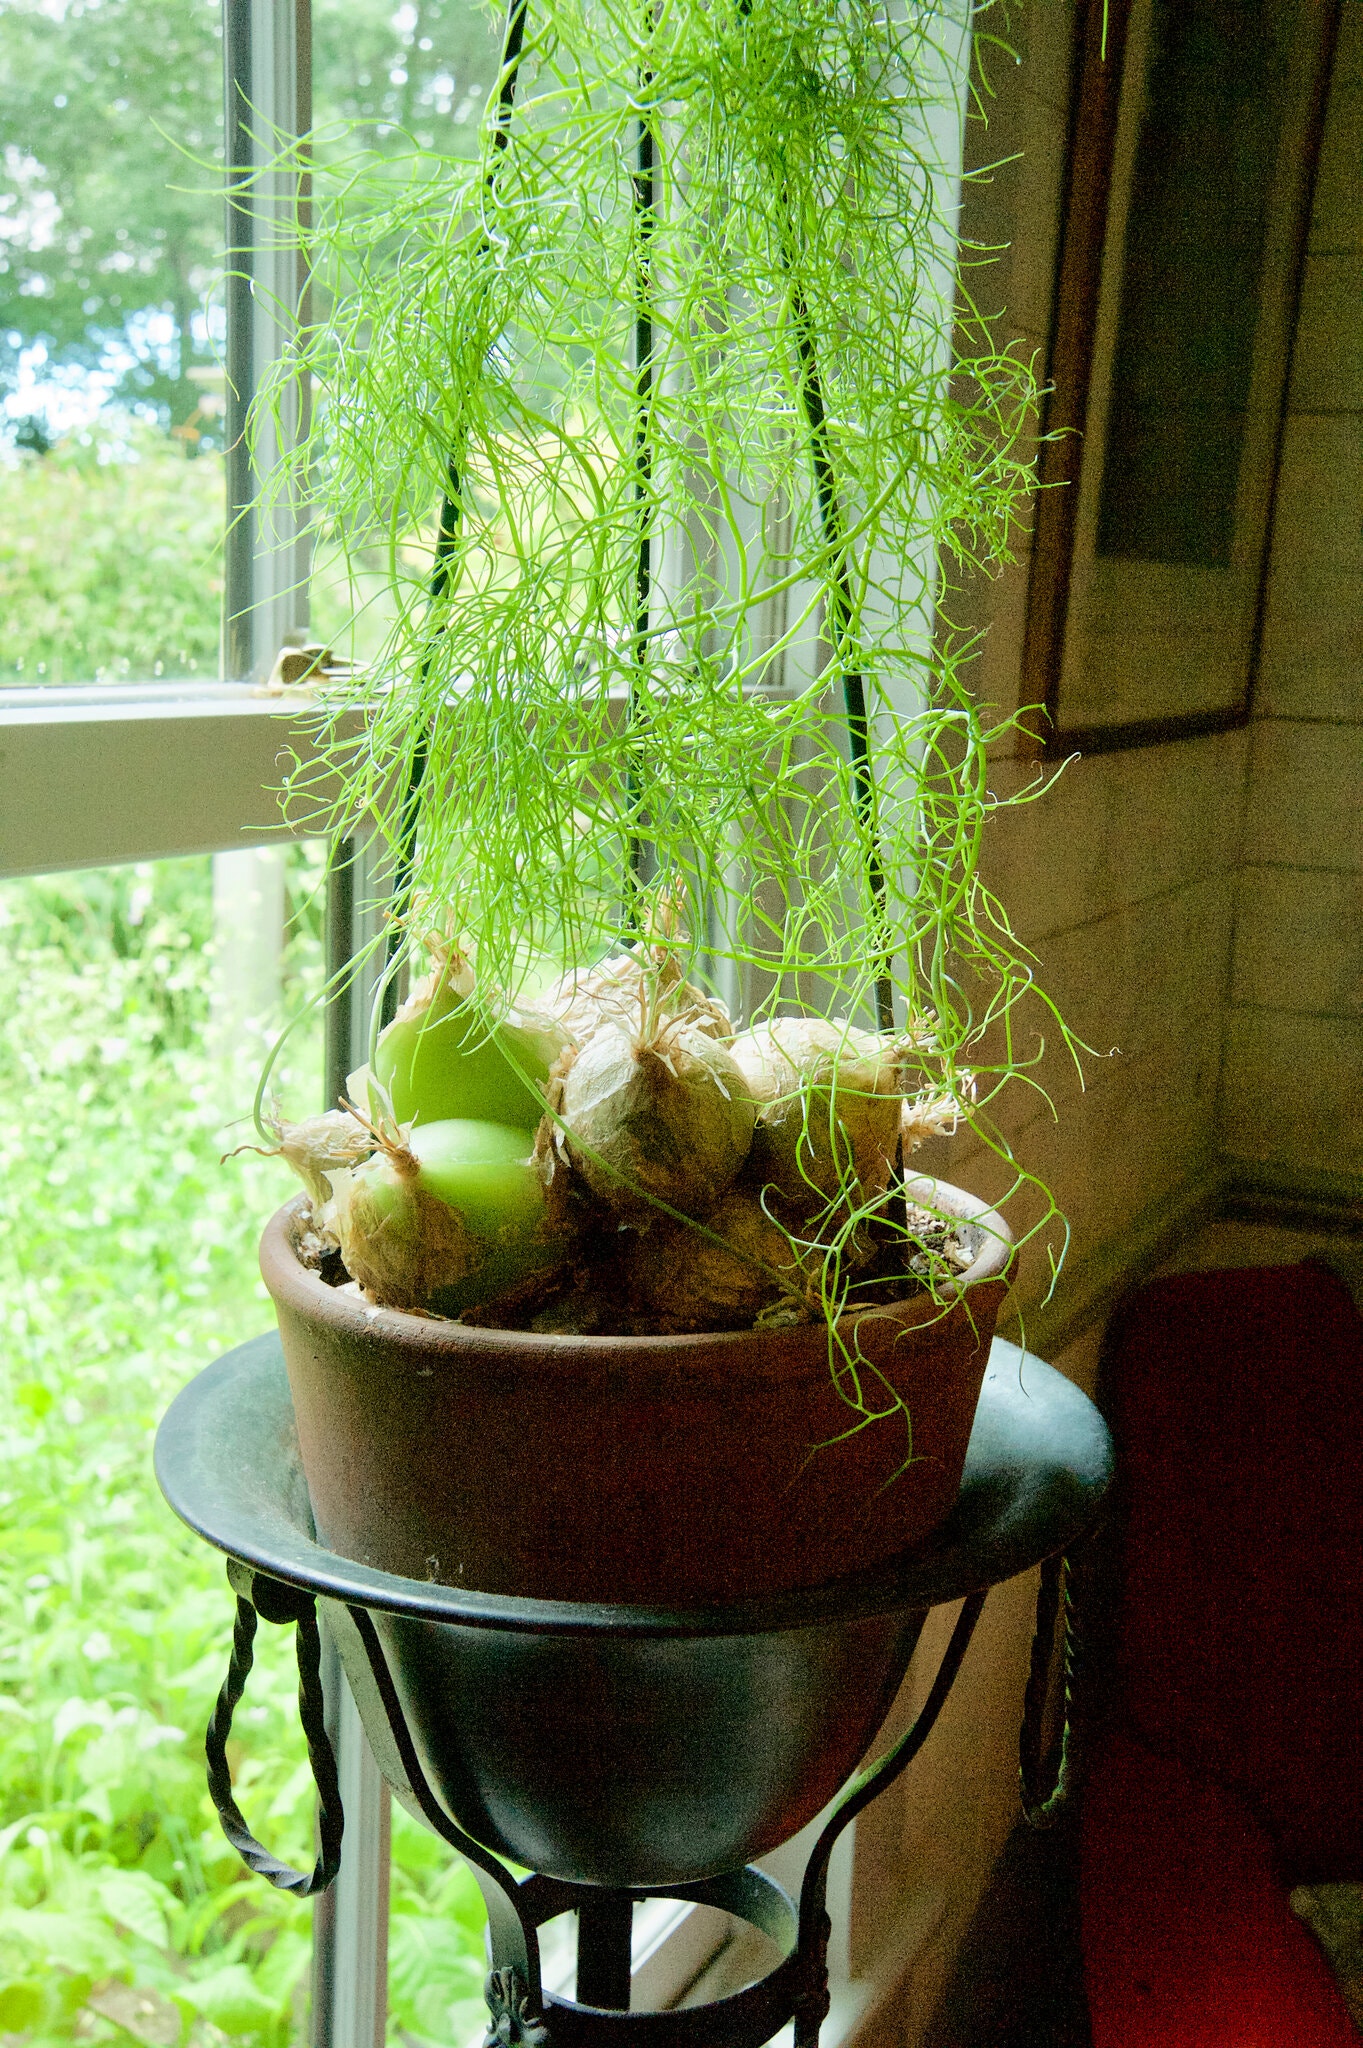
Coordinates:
(612, 1278)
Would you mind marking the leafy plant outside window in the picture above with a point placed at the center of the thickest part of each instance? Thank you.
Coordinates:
(127, 1259)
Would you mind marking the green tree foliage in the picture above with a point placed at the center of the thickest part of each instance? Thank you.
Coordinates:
(110, 560)
(111, 254)
(111, 564)
(111, 218)
(421, 69)
(127, 1253)
(105, 219)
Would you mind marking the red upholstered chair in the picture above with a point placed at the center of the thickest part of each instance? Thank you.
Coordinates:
(1230, 1763)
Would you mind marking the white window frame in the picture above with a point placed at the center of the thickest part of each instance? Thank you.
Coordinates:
(102, 775)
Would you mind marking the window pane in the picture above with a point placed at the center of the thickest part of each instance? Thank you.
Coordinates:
(410, 73)
(128, 1051)
(388, 80)
(111, 392)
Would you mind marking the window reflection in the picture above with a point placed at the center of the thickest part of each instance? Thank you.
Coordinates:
(111, 402)
(1191, 285)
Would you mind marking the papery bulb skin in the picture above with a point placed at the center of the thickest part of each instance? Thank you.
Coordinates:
(619, 990)
(321, 1145)
(694, 1284)
(400, 1243)
(667, 1120)
(449, 1220)
(829, 1100)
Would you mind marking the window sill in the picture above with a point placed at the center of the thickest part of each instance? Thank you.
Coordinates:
(100, 774)
(68, 703)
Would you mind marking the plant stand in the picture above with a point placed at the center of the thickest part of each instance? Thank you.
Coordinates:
(620, 1752)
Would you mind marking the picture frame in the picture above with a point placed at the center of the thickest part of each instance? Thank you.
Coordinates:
(1182, 248)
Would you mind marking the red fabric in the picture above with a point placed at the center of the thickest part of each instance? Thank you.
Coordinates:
(1189, 1941)
(1237, 1404)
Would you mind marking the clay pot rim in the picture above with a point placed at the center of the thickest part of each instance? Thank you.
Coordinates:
(303, 1290)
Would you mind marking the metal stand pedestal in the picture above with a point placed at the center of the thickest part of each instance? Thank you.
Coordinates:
(613, 1746)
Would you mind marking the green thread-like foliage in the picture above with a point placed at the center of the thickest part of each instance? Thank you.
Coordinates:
(760, 361)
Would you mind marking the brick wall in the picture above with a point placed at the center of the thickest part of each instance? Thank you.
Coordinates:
(1293, 1081)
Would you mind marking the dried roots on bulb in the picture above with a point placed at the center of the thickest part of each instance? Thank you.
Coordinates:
(317, 1148)
(625, 987)
(829, 1102)
(644, 988)
(659, 1118)
(935, 1113)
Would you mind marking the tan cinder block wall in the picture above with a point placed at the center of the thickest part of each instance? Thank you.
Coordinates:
(1293, 1088)
(1124, 880)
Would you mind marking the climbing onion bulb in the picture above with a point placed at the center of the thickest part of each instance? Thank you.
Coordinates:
(645, 988)
(485, 1171)
(621, 990)
(445, 1216)
(696, 1284)
(828, 1106)
(664, 1118)
(450, 1053)
(402, 1244)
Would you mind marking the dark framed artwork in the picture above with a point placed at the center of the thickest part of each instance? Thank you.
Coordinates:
(1194, 133)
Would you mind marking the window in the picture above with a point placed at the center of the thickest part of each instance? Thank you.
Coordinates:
(126, 1257)
(134, 578)
(111, 327)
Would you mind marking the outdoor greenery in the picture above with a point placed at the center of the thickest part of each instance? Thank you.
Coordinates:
(110, 559)
(111, 259)
(127, 1261)
(111, 563)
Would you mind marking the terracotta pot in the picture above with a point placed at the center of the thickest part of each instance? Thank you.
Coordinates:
(666, 1470)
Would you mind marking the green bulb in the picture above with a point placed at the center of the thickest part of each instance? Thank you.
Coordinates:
(452, 1061)
(484, 1170)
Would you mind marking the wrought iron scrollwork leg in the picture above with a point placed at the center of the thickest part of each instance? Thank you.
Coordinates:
(516, 2004)
(511, 2021)
(258, 1595)
(511, 1927)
